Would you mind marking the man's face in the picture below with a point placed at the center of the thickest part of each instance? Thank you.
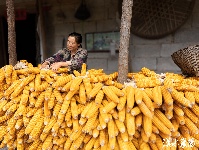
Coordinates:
(72, 44)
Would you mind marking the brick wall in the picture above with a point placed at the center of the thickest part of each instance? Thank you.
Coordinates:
(153, 54)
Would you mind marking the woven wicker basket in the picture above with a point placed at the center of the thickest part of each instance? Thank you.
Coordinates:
(187, 59)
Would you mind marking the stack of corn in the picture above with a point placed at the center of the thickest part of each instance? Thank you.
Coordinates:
(41, 109)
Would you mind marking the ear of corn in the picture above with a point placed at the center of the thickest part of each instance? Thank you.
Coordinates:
(94, 111)
(130, 93)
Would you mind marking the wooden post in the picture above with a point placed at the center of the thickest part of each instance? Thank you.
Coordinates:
(11, 32)
(124, 40)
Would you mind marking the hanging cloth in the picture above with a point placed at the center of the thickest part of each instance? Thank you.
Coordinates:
(82, 12)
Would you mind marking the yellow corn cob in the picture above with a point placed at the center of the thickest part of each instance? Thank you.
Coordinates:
(97, 87)
(48, 79)
(138, 120)
(95, 133)
(62, 81)
(66, 87)
(77, 143)
(195, 109)
(152, 138)
(125, 136)
(111, 131)
(56, 109)
(164, 119)
(88, 85)
(65, 106)
(68, 115)
(112, 142)
(121, 115)
(117, 91)
(94, 108)
(76, 73)
(120, 125)
(24, 82)
(75, 124)
(102, 137)
(138, 96)
(80, 106)
(102, 122)
(166, 96)
(82, 121)
(190, 96)
(8, 70)
(118, 85)
(155, 129)
(33, 121)
(83, 70)
(48, 127)
(145, 138)
(116, 130)
(107, 108)
(2, 104)
(74, 108)
(32, 101)
(122, 102)
(62, 131)
(90, 144)
(12, 109)
(51, 101)
(90, 123)
(145, 110)
(135, 111)
(2, 75)
(19, 123)
(75, 84)
(7, 106)
(40, 100)
(47, 143)
(180, 98)
(157, 95)
(190, 114)
(192, 127)
(178, 110)
(130, 93)
(185, 132)
(68, 143)
(82, 94)
(86, 109)
(97, 143)
(159, 142)
(44, 85)
(69, 95)
(109, 82)
(104, 116)
(37, 129)
(147, 125)
(179, 119)
(161, 127)
(55, 129)
(34, 145)
(122, 144)
(110, 94)
(47, 112)
(11, 88)
(99, 97)
(48, 93)
(146, 99)
(75, 135)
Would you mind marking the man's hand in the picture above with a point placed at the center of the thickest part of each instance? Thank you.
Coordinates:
(45, 65)
(55, 66)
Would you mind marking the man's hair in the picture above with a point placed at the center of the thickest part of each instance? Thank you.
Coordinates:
(77, 36)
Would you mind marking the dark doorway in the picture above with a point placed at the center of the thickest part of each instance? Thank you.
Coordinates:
(25, 38)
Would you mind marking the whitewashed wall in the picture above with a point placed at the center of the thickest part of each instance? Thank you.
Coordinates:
(153, 54)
